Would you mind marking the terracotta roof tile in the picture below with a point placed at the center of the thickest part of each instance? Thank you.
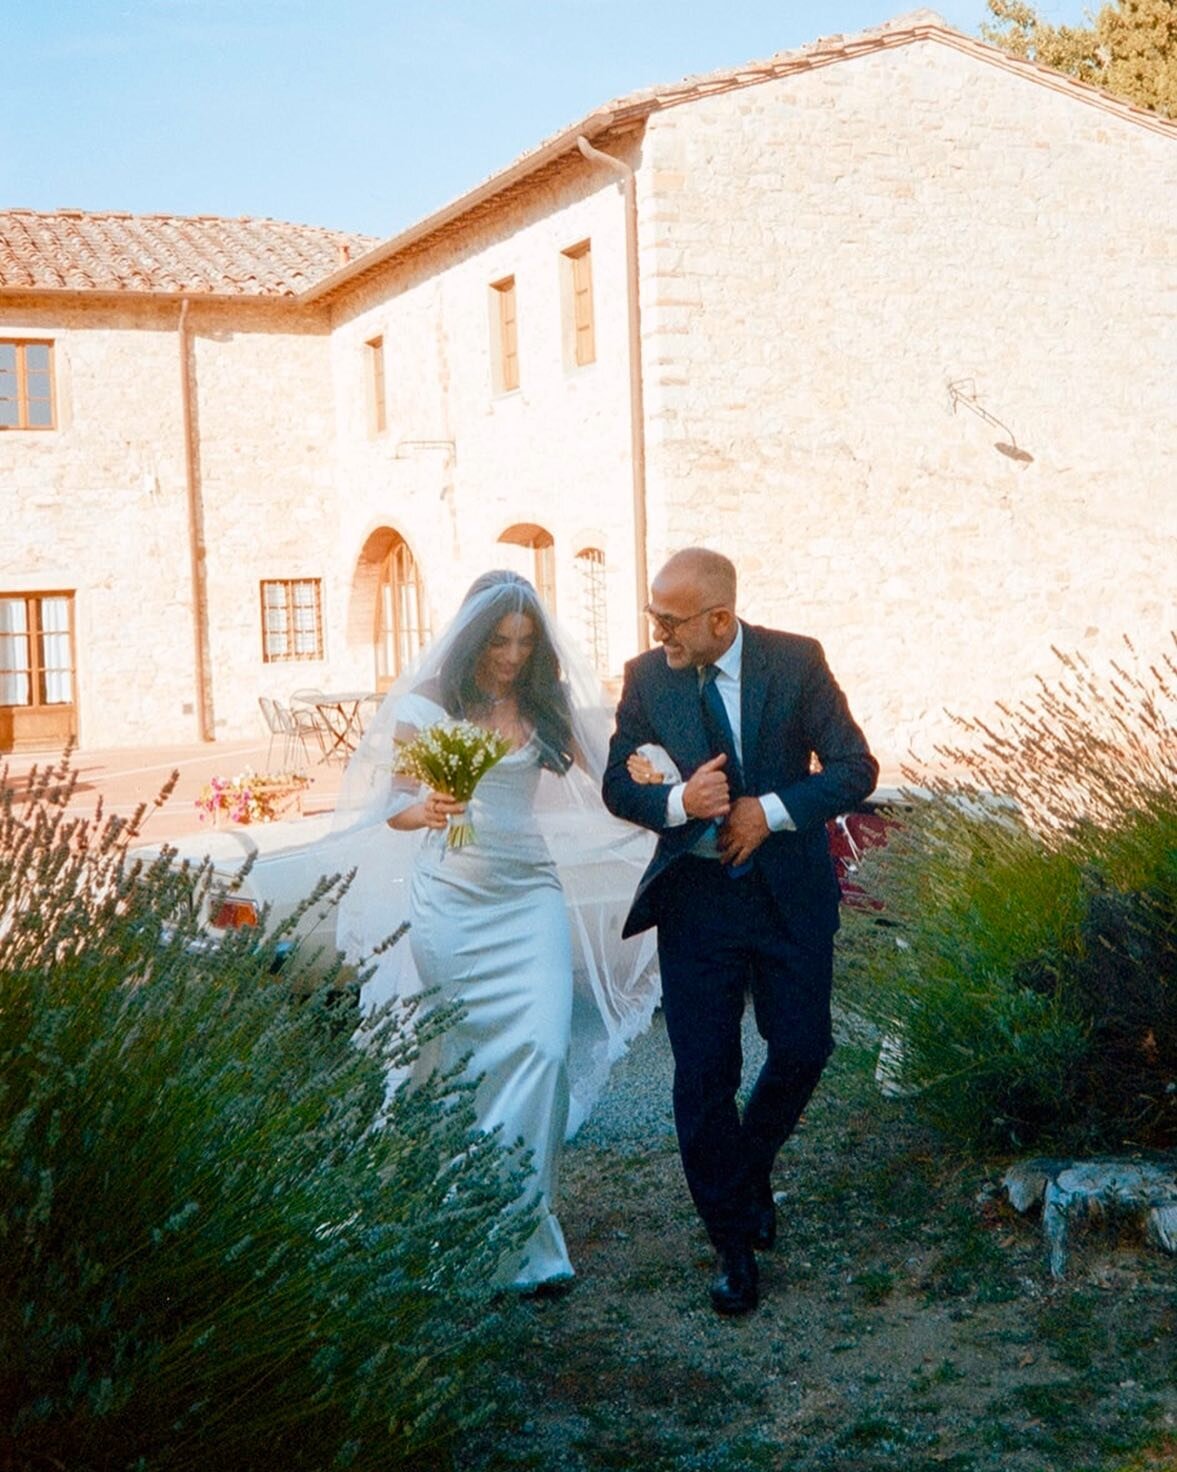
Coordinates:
(73, 250)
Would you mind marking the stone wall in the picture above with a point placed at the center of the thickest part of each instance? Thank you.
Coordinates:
(267, 447)
(98, 506)
(911, 342)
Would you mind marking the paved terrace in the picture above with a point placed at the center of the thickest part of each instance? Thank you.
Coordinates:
(125, 777)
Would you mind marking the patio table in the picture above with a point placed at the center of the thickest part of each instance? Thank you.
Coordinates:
(340, 711)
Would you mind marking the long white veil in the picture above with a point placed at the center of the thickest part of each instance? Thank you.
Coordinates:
(599, 858)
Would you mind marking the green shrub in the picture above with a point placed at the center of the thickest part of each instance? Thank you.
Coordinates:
(1025, 959)
(220, 1246)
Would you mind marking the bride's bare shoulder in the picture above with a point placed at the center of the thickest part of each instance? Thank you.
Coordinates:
(429, 690)
(421, 706)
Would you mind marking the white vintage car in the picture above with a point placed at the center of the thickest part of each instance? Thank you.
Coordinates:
(290, 856)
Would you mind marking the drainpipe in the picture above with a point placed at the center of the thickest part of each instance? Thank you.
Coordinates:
(196, 548)
(637, 413)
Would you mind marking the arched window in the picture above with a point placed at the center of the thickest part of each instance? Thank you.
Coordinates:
(593, 610)
(536, 559)
(401, 616)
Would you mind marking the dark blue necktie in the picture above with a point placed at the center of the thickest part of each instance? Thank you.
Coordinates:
(721, 739)
(719, 730)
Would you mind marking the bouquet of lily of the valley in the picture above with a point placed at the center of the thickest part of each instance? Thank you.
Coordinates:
(452, 757)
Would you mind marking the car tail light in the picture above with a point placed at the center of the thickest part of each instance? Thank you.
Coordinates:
(232, 914)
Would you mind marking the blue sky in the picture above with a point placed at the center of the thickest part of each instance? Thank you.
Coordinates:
(358, 114)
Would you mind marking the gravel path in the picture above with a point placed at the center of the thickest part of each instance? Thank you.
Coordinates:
(907, 1321)
(635, 1105)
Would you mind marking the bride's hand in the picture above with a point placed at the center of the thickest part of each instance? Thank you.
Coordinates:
(433, 812)
(438, 808)
(643, 770)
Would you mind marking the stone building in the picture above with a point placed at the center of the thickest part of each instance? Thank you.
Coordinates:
(891, 319)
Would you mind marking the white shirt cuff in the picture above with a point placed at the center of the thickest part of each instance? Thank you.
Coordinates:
(776, 814)
(676, 814)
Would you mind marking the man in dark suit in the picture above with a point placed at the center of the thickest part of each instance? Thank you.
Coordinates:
(741, 885)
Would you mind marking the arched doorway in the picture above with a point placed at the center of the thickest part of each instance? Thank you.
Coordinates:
(535, 558)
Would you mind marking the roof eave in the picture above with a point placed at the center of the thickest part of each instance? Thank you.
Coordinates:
(1046, 76)
(825, 53)
(135, 294)
(592, 126)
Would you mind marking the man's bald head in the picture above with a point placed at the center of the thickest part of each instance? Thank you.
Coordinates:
(711, 573)
(692, 607)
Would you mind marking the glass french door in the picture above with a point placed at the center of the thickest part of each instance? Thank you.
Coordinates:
(401, 616)
(38, 697)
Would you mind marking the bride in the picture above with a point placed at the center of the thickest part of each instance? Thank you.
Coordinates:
(548, 991)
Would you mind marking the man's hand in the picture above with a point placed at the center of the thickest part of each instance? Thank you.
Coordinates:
(744, 831)
(705, 793)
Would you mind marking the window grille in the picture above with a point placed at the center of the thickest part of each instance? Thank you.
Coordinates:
(594, 613)
(292, 619)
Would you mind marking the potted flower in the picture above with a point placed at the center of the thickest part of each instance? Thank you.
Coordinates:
(251, 797)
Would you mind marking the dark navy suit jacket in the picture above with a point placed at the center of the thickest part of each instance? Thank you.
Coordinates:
(790, 707)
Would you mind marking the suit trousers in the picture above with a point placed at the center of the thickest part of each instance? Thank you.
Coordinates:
(718, 939)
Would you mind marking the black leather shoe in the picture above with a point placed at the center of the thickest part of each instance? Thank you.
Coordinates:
(735, 1287)
(764, 1226)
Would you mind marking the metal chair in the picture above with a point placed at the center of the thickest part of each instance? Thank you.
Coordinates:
(275, 726)
(304, 723)
(294, 727)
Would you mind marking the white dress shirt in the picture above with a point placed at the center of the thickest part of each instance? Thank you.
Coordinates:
(727, 682)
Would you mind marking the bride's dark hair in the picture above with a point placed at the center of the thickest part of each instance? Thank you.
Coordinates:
(542, 697)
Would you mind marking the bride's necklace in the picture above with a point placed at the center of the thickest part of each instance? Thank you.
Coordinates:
(492, 702)
(505, 721)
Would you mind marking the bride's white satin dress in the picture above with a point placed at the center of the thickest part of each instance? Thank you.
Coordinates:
(489, 930)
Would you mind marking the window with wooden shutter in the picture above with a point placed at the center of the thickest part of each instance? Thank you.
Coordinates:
(505, 336)
(377, 399)
(580, 342)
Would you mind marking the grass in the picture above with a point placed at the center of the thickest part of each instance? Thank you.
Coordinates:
(908, 1321)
